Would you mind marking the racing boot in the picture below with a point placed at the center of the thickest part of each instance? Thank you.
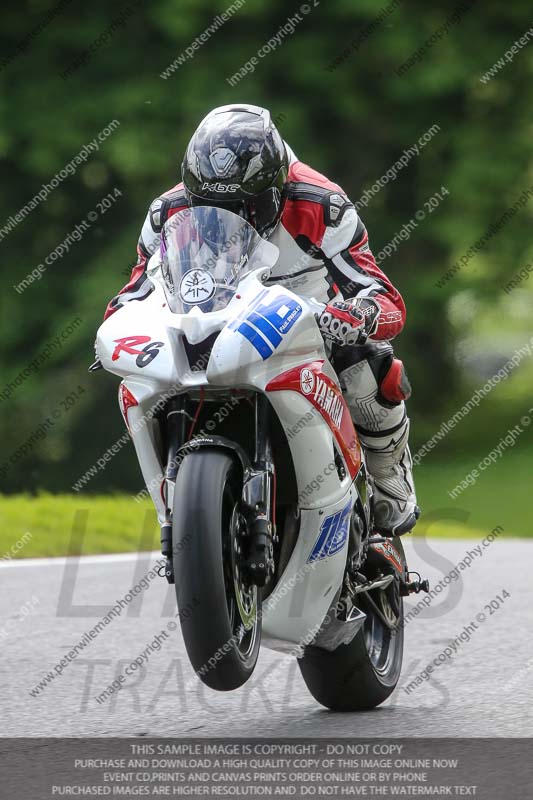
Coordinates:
(375, 387)
(389, 463)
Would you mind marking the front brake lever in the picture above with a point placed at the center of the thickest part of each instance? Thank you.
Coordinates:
(95, 366)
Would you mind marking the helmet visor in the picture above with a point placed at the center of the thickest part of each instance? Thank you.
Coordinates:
(261, 211)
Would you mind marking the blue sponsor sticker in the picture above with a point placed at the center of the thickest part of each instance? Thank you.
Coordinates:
(265, 324)
(333, 534)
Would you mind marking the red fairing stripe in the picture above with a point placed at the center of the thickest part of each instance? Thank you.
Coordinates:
(325, 395)
(126, 401)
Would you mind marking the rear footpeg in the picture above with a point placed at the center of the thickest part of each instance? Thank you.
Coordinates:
(379, 583)
(414, 587)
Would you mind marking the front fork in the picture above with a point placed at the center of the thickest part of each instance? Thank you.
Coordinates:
(258, 495)
(176, 432)
(258, 500)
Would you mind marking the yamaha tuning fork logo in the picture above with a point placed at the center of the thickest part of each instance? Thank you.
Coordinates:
(197, 286)
(307, 381)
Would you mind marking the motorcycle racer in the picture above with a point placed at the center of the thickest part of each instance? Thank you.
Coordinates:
(237, 160)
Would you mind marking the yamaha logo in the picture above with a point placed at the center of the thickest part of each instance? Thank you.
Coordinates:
(197, 286)
(307, 381)
(327, 399)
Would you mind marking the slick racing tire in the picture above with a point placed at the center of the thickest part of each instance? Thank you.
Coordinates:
(219, 614)
(360, 675)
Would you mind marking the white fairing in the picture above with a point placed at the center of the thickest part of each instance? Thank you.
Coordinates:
(313, 576)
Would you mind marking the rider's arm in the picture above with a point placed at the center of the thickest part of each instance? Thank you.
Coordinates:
(355, 271)
(139, 286)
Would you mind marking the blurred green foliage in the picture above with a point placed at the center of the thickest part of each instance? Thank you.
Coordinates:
(352, 123)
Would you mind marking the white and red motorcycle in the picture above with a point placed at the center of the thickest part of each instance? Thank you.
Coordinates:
(249, 453)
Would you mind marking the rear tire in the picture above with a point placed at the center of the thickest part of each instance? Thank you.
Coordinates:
(362, 674)
(219, 616)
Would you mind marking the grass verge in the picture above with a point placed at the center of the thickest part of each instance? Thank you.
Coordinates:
(54, 525)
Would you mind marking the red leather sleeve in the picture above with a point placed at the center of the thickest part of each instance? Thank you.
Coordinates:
(393, 313)
(137, 278)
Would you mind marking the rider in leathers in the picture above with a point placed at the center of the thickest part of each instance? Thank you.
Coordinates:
(237, 160)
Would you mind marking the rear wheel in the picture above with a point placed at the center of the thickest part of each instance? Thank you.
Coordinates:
(362, 674)
(219, 613)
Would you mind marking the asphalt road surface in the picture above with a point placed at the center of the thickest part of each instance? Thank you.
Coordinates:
(483, 689)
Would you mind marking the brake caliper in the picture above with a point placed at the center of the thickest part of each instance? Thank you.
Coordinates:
(256, 508)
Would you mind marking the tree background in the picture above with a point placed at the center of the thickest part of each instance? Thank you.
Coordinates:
(344, 109)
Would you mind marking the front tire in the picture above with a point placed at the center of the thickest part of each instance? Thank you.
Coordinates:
(362, 674)
(219, 614)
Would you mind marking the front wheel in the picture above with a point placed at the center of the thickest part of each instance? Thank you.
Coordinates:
(360, 675)
(219, 613)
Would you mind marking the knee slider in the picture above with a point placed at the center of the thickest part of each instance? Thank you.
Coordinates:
(394, 386)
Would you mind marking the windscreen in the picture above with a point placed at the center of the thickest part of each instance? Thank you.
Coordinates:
(205, 252)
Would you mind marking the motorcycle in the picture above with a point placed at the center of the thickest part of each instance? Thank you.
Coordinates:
(249, 453)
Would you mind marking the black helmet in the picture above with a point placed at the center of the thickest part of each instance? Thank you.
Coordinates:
(237, 160)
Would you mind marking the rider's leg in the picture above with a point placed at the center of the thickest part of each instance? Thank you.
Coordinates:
(375, 386)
